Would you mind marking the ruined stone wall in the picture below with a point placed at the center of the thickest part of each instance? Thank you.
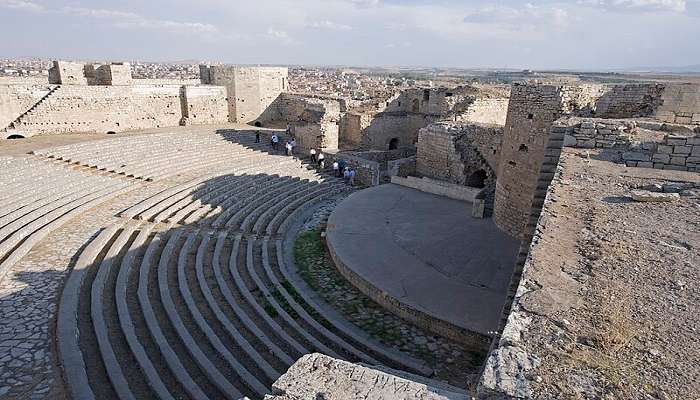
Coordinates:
(485, 111)
(623, 141)
(74, 108)
(455, 152)
(629, 101)
(681, 104)
(16, 99)
(204, 105)
(67, 73)
(402, 126)
(315, 121)
(112, 74)
(531, 112)
(251, 90)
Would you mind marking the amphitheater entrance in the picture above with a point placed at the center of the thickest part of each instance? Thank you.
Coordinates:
(477, 179)
(15, 136)
(394, 144)
(258, 124)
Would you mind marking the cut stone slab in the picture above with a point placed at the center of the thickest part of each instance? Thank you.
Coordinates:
(646, 196)
(317, 376)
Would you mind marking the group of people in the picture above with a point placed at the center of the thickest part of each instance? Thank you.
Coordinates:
(318, 158)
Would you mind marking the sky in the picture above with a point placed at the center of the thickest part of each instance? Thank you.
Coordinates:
(575, 34)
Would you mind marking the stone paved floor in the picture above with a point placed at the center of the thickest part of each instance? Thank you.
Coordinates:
(28, 302)
(427, 252)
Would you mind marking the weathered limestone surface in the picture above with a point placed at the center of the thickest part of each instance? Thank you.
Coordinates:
(77, 108)
(251, 90)
(316, 376)
(67, 73)
(315, 120)
(414, 109)
(16, 99)
(455, 151)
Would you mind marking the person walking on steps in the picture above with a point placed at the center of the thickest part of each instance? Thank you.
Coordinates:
(336, 170)
(257, 136)
(288, 147)
(312, 153)
(274, 141)
(321, 159)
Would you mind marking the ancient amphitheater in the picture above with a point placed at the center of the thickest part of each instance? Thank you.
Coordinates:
(533, 241)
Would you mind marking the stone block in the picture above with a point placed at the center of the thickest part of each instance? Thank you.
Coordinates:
(631, 163)
(635, 156)
(662, 148)
(695, 151)
(659, 165)
(693, 141)
(675, 140)
(677, 161)
(646, 196)
(569, 141)
(676, 167)
(645, 164)
(662, 158)
(682, 149)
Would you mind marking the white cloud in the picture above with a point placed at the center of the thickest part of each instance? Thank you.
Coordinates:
(678, 6)
(529, 16)
(328, 25)
(21, 5)
(365, 3)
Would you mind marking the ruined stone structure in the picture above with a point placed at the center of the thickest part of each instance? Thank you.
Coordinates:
(463, 154)
(251, 90)
(105, 98)
(398, 124)
(534, 108)
(67, 73)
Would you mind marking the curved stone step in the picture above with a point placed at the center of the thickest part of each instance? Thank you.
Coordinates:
(127, 324)
(190, 386)
(336, 341)
(67, 322)
(49, 225)
(240, 215)
(342, 325)
(240, 313)
(284, 315)
(114, 370)
(249, 379)
(268, 205)
(253, 303)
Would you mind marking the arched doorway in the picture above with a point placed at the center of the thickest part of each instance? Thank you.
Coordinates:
(258, 124)
(477, 179)
(15, 136)
(394, 144)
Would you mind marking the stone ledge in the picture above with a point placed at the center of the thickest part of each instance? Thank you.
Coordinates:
(317, 376)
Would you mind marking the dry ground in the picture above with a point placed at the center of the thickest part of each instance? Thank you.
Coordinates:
(615, 287)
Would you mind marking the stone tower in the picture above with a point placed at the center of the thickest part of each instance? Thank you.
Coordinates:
(531, 112)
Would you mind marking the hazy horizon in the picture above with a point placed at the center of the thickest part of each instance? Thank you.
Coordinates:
(582, 35)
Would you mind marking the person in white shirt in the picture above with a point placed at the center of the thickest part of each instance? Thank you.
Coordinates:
(312, 152)
(288, 147)
(321, 158)
(274, 141)
(336, 168)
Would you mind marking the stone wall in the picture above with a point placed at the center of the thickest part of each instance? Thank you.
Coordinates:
(73, 108)
(67, 73)
(485, 111)
(315, 121)
(414, 109)
(681, 104)
(16, 99)
(629, 101)
(113, 74)
(351, 127)
(456, 152)
(204, 105)
(251, 90)
(531, 112)
(624, 141)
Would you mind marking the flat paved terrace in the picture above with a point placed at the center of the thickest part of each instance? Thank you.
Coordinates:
(420, 254)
